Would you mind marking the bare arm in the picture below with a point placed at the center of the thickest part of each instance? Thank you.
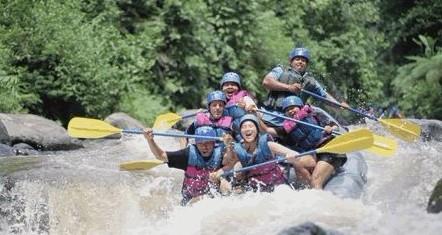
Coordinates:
(272, 84)
(270, 130)
(278, 149)
(154, 148)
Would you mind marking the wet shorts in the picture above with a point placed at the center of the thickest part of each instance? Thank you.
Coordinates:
(336, 160)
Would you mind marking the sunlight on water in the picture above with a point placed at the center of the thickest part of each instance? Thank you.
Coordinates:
(84, 192)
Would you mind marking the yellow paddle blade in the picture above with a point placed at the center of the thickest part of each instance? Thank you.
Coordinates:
(166, 121)
(140, 165)
(90, 128)
(349, 142)
(383, 146)
(402, 128)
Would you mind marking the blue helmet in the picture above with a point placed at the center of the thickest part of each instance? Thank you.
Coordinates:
(291, 101)
(301, 52)
(231, 77)
(216, 95)
(204, 131)
(249, 117)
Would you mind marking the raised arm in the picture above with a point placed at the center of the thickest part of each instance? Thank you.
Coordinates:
(154, 148)
(269, 130)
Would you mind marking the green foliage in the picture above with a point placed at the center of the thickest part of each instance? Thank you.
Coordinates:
(69, 64)
(343, 43)
(419, 83)
(61, 59)
(144, 106)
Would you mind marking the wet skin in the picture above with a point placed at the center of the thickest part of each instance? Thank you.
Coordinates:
(216, 109)
(249, 131)
(206, 148)
(299, 64)
(292, 110)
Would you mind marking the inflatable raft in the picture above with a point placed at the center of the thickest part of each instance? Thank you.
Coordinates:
(350, 179)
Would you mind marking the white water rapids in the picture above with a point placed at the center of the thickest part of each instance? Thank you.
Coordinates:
(84, 192)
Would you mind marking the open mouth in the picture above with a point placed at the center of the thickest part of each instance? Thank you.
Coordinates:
(229, 94)
(299, 66)
(248, 135)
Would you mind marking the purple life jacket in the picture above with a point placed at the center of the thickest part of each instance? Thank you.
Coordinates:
(196, 176)
(221, 125)
(237, 97)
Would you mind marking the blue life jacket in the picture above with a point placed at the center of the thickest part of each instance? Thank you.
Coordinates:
(263, 177)
(290, 76)
(236, 113)
(197, 160)
(196, 176)
(304, 138)
(262, 153)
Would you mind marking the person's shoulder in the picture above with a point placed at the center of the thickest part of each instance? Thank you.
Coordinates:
(278, 67)
(277, 71)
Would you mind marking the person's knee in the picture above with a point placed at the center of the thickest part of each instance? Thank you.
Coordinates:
(317, 181)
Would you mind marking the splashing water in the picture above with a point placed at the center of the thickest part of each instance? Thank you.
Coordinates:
(84, 192)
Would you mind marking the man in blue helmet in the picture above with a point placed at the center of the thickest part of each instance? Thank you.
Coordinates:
(198, 160)
(302, 138)
(282, 82)
(217, 117)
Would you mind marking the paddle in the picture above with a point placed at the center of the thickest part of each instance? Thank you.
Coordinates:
(382, 146)
(349, 142)
(140, 164)
(401, 128)
(93, 128)
(166, 121)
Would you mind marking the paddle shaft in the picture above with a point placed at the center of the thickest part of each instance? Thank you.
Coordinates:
(297, 121)
(276, 160)
(340, 105)
(139, 131)
(192, 114)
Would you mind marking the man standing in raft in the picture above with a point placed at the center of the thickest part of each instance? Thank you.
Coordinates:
(282, 82)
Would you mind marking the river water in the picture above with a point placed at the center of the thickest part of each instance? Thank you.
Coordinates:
(84, 192)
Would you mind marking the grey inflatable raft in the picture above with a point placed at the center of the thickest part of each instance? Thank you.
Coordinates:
(350, 179)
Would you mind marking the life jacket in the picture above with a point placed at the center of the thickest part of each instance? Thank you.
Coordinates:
(301, 137)
(290, 76)
(263, 177)
(236, 112)
(233, 110)
(237, 97)
(221, 126)
(196, 176)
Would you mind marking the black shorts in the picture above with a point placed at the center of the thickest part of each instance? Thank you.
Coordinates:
(336, 160)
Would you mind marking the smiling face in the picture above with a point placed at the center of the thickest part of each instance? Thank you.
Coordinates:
(292, 110)
(249, 131)
(216, 109)
(299, 63)
(230, 88)
(206, 148)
